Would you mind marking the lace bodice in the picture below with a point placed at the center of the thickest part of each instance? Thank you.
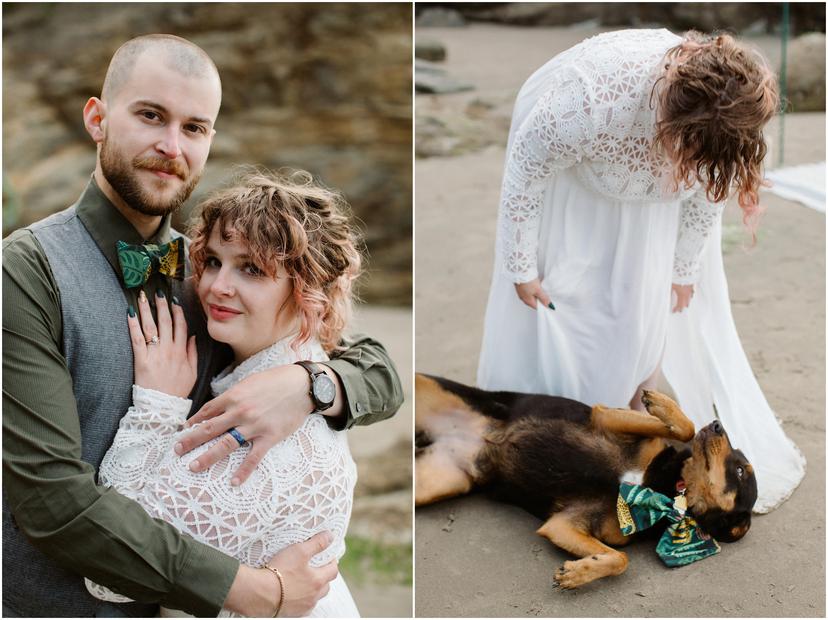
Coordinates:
(594, 114)
(302, 486)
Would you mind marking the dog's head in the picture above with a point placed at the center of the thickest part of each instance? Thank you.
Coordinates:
(721, 485)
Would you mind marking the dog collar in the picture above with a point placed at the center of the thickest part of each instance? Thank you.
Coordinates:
(683, 542)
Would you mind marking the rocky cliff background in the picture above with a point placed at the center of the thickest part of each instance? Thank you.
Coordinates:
(324, 87)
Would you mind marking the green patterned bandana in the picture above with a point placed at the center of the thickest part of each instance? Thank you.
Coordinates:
(138, 262)
(682, 543)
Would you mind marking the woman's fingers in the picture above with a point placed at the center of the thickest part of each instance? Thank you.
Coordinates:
(147, 322)
(179, 326)
(162, 309)
(532, 292)
(525, 295)
(136, 336)
(683, 294)
(192, 353)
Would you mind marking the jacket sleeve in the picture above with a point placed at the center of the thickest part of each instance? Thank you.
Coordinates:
(372, 388)
(51, 491)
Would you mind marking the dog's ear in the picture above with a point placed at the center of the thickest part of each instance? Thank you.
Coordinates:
(740, 529)
(733, 528)
(724, 526)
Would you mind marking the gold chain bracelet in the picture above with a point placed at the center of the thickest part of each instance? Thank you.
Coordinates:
(276, 572)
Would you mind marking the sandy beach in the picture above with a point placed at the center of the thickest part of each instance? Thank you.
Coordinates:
(478, 558)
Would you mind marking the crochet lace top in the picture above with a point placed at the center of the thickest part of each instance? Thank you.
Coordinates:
(595, 115)
(302, 486)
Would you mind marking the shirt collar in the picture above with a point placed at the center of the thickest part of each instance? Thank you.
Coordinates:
(107, 225)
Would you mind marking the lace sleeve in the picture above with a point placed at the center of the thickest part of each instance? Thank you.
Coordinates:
(553, 136)
(144, 434)
(696, 219)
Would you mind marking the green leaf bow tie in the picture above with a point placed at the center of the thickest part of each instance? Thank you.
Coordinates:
(683, 542)
(138, 262)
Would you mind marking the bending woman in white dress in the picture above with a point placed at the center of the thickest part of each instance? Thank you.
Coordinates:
(274, 260)
(622, 152)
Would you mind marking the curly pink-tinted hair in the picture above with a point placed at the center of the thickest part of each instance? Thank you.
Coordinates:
(289, 221)
(717, 98)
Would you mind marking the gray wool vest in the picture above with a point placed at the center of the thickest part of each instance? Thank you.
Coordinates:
(98, 352)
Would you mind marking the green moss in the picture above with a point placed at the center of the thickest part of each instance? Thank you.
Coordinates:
(735, 236)
(369, 561)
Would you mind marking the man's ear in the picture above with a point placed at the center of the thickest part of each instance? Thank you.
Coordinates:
(94, 113)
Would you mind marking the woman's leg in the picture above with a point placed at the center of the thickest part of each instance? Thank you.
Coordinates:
(650, 383)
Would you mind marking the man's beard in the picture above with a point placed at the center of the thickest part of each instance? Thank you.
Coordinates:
(121, 176)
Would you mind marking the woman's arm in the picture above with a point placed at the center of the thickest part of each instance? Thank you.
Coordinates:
(697, 217)
(144, 435)
(554, 136)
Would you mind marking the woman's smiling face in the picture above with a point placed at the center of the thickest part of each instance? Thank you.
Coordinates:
(245, 308)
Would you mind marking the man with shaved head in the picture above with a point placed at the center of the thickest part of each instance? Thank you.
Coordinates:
(67, 365)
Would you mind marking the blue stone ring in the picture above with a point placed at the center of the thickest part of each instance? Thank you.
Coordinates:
(237, 436)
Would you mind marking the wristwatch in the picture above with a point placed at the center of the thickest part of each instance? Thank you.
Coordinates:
(323, 389)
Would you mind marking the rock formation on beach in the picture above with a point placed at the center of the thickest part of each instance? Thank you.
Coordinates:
(324, 87)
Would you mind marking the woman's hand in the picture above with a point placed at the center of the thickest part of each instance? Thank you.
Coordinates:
(684, 293)
(163, 357)
(265, 408)
(531, 292)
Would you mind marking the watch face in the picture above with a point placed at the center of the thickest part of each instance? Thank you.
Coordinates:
(324, 389)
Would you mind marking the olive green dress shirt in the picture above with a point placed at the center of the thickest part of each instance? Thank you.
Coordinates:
(52, 492)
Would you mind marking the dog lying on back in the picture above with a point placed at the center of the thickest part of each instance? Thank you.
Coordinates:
(563, 461)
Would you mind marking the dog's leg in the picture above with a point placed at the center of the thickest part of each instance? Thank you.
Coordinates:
(450, 436)
(664, 419)
(597, 559)
(437, 476)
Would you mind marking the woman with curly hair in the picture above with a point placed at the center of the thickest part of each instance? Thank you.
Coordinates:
(274, 260)
(621, 155)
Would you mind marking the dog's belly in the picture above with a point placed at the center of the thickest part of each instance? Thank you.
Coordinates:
(542, 464)
(458, 435)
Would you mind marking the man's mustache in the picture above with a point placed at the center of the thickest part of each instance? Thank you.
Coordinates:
(170, 166)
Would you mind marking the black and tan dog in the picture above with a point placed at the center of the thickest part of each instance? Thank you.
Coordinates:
(562, 461)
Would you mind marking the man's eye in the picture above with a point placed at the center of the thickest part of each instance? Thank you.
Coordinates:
(212, 261)
(150, 115)
(195, 129)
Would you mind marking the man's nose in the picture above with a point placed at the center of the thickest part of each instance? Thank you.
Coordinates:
(169, 145)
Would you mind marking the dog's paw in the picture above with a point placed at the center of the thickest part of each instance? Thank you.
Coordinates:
(571, 575)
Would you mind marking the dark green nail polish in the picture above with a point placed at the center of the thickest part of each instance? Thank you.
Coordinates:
(175, 300)
(551, 306)
(160, 293)
(131, 311)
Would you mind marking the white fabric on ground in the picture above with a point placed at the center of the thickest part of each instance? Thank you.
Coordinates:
(804, 184)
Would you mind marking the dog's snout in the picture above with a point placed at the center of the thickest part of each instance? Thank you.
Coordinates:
(716, 427)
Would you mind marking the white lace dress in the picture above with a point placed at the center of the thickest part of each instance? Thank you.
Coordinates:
(590, 210)
(303, 485)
